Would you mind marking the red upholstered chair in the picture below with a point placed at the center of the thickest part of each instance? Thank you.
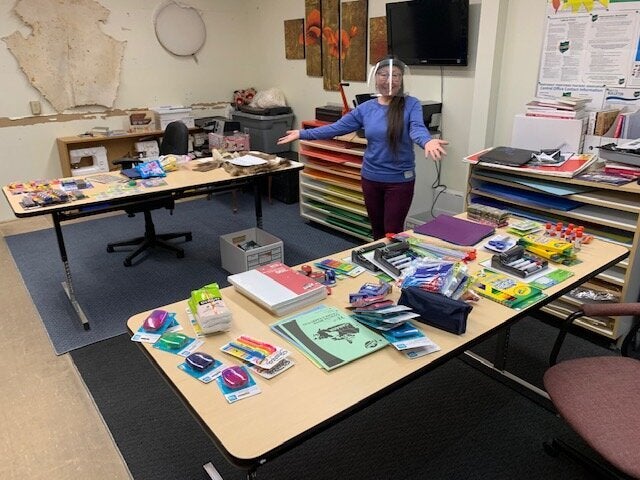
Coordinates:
(599, 397)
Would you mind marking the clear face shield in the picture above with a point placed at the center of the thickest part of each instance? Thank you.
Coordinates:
(388, 78)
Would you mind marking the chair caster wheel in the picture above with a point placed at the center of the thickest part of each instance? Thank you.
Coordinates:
(110, 249)
(550, 448)
(180, 254)
(188, 238)
(127, 263)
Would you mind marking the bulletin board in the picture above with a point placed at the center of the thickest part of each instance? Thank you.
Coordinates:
(591, 48)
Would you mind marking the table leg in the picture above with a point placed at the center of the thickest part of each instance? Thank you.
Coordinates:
(68, 284)
(502, 347)
(497, 369)
(258, 202)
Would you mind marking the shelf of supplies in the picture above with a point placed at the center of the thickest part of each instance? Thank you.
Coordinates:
(348, 206)
(337, 215)
(351, 195)
(608, 212)
(337, 146)
(631, 187)
(613, 277)
(330, 179)
(330, 189)
(594, 324)
(323, 221)
(333, 169)
(619, 219)
(608, 199)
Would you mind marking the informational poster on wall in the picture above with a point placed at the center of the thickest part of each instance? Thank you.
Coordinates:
(591, 48)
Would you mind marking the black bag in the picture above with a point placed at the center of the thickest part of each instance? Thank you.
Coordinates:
(437, 310)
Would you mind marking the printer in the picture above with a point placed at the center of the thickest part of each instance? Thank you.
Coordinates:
(219, 125)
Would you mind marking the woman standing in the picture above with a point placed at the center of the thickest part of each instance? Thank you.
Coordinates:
(392, 122)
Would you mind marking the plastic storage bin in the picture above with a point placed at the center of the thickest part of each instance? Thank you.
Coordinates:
(235, 259)
(265, 130)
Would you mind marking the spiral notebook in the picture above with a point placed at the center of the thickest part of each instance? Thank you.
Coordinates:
(455, 230)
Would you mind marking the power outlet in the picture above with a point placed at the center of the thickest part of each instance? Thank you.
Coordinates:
(36, 108)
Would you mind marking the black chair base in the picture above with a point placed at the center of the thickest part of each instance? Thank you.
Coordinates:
(150, 240)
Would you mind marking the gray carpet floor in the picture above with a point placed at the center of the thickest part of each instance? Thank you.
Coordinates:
(110, 293)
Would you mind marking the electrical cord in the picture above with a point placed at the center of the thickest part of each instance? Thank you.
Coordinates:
(437, 183)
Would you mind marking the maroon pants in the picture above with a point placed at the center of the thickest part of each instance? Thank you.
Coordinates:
(387, 205)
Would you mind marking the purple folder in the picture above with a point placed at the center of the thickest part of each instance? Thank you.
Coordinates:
(455, 230)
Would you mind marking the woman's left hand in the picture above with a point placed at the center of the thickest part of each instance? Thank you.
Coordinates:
(434, 148)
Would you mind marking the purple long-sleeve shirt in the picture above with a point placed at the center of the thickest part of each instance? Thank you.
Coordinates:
(380, 164)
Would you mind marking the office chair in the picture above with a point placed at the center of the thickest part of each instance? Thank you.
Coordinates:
(599, 397)
(174, 141)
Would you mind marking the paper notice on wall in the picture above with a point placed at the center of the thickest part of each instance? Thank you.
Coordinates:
(590, 49)
(622, 97)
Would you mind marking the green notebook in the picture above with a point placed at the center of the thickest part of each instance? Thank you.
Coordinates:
(328, 336)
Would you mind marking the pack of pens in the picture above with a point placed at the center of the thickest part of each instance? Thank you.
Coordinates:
(517, 261)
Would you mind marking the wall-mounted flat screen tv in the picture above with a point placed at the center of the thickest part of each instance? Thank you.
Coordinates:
(429, 32)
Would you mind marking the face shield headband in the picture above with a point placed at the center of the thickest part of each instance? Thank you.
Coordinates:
(388, 78)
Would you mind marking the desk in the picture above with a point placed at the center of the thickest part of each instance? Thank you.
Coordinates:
(306, 400)
(117, 146)
(182, 183)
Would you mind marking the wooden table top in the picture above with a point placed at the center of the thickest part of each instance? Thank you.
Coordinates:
(185, 178)
(302, 399)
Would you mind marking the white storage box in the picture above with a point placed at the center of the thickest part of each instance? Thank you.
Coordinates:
(163, 116)
(235, 259)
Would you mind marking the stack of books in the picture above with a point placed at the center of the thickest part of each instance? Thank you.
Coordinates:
(571, 108)
(278, 288)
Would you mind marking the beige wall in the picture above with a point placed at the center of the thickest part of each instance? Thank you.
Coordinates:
(150, 76)
(245, 48)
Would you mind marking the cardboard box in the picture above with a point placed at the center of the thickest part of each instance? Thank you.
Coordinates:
(141, 121)
(234, 142)
(235, 259)
(163, 116)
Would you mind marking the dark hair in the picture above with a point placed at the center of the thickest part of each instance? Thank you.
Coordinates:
(395, 121)
(395, 115)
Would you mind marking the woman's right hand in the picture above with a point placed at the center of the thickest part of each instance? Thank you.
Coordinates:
(289, 137)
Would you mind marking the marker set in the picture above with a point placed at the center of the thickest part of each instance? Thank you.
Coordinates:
(395, 257)
(518, 262)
